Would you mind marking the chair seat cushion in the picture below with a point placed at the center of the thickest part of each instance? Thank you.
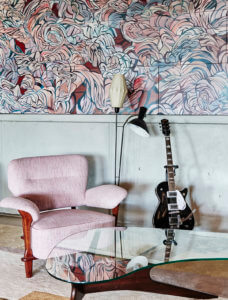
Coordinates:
(54, 226)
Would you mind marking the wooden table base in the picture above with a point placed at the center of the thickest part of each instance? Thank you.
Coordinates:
(137, 281)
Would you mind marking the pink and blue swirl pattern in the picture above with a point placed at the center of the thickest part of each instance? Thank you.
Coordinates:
(59, 56)
(86, 267)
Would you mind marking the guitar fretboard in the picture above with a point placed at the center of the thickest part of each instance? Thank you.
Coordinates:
(170, 169)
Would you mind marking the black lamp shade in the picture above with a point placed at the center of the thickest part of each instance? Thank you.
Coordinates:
(139, 125)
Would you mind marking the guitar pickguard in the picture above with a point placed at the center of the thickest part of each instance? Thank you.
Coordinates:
(180, 203)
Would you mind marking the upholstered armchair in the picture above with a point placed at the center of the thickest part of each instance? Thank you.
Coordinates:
(45, 190)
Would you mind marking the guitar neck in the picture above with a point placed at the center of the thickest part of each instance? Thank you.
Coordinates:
(174, 218)
(170, 168)
(170, 237)
(167, 252)
(171, 194)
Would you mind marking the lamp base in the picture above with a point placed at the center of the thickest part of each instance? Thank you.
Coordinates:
(117, 110)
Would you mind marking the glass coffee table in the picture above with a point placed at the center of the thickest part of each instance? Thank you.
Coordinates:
(135, 258)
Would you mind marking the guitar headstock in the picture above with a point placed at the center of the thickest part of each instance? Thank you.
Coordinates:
(165, 127)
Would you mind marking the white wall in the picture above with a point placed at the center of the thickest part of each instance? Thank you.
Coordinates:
(199, 145)
(23, 136)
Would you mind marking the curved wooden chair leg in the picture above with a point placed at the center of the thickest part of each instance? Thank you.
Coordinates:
(115, 212)
(28, 268)
(28, 256)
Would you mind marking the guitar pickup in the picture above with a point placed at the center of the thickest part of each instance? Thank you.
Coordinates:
(171, 194)
(172, 206)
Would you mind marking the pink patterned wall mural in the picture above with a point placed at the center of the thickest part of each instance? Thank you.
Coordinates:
(59, 56)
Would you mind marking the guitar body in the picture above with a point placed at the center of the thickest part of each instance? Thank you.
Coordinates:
(161, 216)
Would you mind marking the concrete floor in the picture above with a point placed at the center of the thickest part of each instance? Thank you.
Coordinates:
(14, 220)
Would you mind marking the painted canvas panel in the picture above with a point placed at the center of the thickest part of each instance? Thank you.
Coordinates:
(197, 88)
(59, 56)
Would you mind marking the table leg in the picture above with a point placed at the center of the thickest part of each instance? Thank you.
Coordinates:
(75, 293)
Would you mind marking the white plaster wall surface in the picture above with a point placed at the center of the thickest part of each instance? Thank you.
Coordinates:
(31, 136)
(199, 145)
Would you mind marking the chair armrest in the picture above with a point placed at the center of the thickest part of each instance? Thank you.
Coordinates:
(20, 203)
(105, 196)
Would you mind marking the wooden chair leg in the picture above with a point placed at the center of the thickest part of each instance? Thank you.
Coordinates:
(28, 267)
(115, 212)
(28, 256)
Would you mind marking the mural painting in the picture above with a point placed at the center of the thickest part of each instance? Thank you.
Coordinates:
(59, 56)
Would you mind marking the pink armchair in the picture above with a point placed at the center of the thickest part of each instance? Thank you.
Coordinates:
(41, 186)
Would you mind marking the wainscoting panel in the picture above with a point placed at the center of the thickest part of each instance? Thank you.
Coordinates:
(199, 147)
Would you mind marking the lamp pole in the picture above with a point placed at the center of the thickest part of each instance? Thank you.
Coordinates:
(117, 181)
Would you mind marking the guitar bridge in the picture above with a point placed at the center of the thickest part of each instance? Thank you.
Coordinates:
(175, 221)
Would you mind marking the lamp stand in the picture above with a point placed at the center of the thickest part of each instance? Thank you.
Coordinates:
(121, 148)
(115, 177)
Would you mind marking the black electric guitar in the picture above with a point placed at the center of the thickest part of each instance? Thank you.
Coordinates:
(173, 211)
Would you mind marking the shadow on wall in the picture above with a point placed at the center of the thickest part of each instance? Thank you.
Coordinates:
(137, 211)
(194, 206)
(214, 223)
(96, 174)
(137, 215)
(139, 189)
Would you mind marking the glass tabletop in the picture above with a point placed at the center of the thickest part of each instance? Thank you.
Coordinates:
(104, 254)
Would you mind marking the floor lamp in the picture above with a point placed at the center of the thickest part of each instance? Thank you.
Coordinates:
(138, 125)
(118, 92)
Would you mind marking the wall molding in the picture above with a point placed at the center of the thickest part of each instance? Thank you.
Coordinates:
(153, 119)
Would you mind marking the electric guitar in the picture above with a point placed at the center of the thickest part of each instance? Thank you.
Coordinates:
(172, 211)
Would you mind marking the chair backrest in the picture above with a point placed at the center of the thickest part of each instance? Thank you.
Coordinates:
(49, 181)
